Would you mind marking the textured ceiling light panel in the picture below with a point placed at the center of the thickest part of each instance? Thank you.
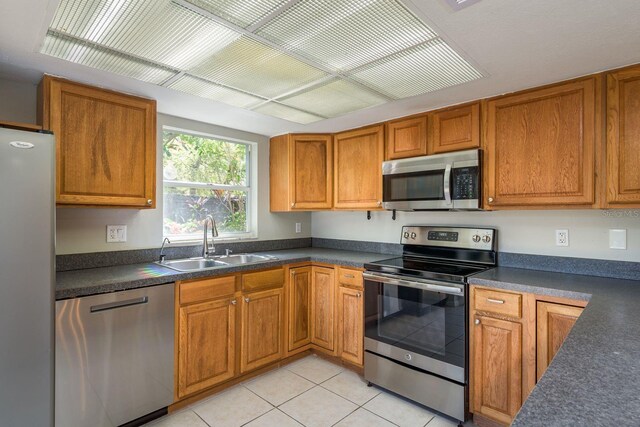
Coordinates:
(241, 12)
(256, 68)
(96, 57)
(205, 89)
(347, 33)
(287, 113)
(422, 69)
(335, 99)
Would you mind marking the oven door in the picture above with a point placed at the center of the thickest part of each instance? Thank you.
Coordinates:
(416, 322)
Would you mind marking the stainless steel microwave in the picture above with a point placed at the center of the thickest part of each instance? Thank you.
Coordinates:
(440, 181)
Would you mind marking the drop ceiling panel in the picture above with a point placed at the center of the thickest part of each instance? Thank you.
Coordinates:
(335, 99)
(104, 59)
(205, 89)
(257, 68)
(241, 12)
(158, 30)
(425, 68)
(282, 111)
(347, 33)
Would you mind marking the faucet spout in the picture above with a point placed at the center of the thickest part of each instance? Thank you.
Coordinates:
(208, 249)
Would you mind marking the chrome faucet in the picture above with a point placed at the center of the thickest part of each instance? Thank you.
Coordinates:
(166, 240)
(208, 249)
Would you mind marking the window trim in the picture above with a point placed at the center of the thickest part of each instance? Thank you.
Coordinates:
(250, 188)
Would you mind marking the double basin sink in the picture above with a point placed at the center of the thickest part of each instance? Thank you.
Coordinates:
(196, 264)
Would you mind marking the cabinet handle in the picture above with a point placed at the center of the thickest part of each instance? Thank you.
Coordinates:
(247, 299)
(495, 301)
(358, 295)
(149, 202)
(234, 302)
(349, 276)
(477, 321)
(490, 199)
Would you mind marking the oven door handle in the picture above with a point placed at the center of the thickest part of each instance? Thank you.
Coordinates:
(447, 184)
(429, 286)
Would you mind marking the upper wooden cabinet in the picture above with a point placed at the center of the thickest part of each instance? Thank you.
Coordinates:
(406, 138)
(105, 144)
(301, 172)
(454, 129)
(623, 139)
(358, 157)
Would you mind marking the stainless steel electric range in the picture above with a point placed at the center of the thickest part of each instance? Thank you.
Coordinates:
(416, 316)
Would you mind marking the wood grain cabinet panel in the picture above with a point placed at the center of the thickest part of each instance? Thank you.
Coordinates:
(358, 157)
(454, 129)
(206, 345)
(351, 325)
(301, 172)
(497, 374)
(299, 307)
(105, 144)
(407, 138)
(623, 139)
(262, 329)
(554, 323)
(322, 307)
(540, 146)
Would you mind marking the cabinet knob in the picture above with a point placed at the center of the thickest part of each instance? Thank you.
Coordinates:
(477, 321)
(149, 202)
(358, 295)
(247, 299)
(293, 205)
(379, 203)
(490, 199)
(234, 302)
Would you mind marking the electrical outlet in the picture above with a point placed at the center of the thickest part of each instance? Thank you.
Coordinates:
(298, 227)
(562, 237)
(116, 233)
(617, 239)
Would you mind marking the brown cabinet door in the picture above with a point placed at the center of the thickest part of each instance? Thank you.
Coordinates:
(312, 171)
(540, 146)
(261, 336)
(350, 325)
(299, 307)
(206, 345)
(497, 368)
(358, 157)
(455, 129)
(322, 307)
(407, 138)
(105, 144)
(623, 138)
(553, 326)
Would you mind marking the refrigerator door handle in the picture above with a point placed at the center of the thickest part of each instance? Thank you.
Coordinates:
(118, 304)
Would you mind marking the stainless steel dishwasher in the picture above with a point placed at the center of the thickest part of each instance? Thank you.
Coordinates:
(114, 357)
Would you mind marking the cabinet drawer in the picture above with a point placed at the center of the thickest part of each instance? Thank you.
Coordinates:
(263, 280)
(349, 277)
(206, 289)
(503, 303)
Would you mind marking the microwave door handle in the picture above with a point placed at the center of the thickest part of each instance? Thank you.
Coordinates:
(447, 184)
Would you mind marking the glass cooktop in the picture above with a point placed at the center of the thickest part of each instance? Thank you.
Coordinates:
(425, 268)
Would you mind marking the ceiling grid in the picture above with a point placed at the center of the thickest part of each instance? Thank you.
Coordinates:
(300, 60)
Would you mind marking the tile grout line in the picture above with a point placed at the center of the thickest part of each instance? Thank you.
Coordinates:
(378, 415)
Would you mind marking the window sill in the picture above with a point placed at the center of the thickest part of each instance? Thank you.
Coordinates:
(176, 241)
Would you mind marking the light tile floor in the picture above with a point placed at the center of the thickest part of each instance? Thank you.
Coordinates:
(310, 392)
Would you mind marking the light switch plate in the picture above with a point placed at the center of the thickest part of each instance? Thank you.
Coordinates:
(617, 239)
(298, 227)
(116, 233)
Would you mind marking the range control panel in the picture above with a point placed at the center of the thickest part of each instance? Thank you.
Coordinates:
(451, 237)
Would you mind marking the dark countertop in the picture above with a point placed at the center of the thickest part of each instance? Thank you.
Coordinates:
(594, 379)
(76, 283)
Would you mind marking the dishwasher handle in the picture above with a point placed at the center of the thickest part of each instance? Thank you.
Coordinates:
(118, 304)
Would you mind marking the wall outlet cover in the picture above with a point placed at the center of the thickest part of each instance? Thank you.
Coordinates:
(617, 239)
(562, 237)
(116, 233)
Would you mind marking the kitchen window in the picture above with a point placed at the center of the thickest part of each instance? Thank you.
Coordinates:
(206, 175)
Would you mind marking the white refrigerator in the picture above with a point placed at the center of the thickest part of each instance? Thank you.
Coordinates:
(27, 277)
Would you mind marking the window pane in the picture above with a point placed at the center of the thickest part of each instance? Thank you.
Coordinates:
(200, 159)
(185, 210)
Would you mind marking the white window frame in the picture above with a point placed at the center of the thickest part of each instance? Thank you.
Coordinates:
(250, 188)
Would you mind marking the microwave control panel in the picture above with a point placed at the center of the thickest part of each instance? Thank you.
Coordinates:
(466, 183)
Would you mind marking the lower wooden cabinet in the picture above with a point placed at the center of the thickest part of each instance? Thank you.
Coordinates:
(554, 322)
(322, 307)
(497, 374)
(299, 305)
(261, 326)
(351, 325)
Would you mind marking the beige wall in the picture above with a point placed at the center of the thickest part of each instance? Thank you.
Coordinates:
(17, 101)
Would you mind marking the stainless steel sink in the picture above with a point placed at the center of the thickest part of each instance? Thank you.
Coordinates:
(196, 264)
(246, 259)
(193, 264)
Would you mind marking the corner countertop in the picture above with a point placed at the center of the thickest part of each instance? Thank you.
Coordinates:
(593, 379)
(77, 283)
